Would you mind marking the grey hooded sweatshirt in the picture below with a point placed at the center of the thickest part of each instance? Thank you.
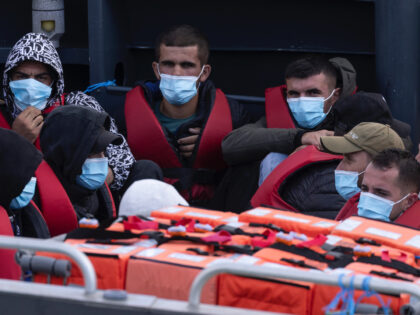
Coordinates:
(253, 142)
(37, 47)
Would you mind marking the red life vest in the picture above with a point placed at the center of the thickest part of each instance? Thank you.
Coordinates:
(8, 267)
(349, 208)
(267, 193)
(277, 111)
(56, 206)
(147, 139)
(411, 217)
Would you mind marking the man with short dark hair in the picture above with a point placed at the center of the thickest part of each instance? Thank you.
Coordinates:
(313, 85)
(297, 114)
(180, 120)
(359, 146)
(390, 186)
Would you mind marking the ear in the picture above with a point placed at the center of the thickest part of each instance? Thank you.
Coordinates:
(155, 67)
(337, 92)
(411, 199)
(206, 73)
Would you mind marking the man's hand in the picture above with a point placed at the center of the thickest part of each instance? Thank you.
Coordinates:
(29, 123)
(110, 177)
(418, 155)
(314, 137)
(187, 144)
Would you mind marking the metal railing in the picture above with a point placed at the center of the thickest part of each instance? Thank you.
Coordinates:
(78, 257)
(376, 284)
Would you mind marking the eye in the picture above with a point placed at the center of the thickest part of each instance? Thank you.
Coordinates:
(364, 188)
(292, 94)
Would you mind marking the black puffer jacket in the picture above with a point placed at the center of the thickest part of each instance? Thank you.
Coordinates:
(312, 190)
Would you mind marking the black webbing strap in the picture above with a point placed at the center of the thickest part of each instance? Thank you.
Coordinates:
(331, 258)
(393, 264)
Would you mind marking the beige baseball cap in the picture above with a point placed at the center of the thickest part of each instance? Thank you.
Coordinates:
(366, 136)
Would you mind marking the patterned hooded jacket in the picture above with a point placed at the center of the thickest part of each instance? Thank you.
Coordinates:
(37, 47)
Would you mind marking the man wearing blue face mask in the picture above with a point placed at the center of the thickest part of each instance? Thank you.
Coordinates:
(180, 120)
(73, 140)
(390, 188)
(358, 146)
(33, 85)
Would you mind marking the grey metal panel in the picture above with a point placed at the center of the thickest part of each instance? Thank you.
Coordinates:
(397, 59)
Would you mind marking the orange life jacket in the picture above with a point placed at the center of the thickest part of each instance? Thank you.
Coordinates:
(386, 233)
(289, 221)
(268, 195)
(157, 271)
(147, 140)
(277, 111)
(211, 217)
(274, 295)
(109, 262)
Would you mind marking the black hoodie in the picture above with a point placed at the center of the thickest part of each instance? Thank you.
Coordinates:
(67, 138)
(18, 161)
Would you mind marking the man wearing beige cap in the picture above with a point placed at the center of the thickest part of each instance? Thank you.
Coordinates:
(359, 146)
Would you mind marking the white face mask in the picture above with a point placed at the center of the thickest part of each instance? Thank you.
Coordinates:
(178, 90)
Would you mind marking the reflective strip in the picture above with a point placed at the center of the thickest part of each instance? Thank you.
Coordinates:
(187, 257)
(324, 224)
(170, 210)
(348, 225)
(151, 252)
(333, 239)
(294, 219)
(123, 249)
(258, 212)
(202, 215)
(414, 241)
(384, 233)
(94, 246)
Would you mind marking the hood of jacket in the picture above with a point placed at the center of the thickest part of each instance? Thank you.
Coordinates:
(67, 138)
(18, 161)
(34, 47)
(346, 75)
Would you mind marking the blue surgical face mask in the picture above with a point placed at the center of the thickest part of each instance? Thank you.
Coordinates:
(94, 172)
(25, 197)
(308, 111)
(30, 92)
(375, 207)
(346, 183)
(178, 90)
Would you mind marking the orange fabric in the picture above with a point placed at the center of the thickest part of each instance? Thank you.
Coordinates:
(289, 221)
(275, 296)
(168, 274)
(277, 111)
(323, 295)
(211, 217)
(389, 234)
(267, 193)
(109, 261)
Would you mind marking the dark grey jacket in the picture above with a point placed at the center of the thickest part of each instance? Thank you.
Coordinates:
(254, 141)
